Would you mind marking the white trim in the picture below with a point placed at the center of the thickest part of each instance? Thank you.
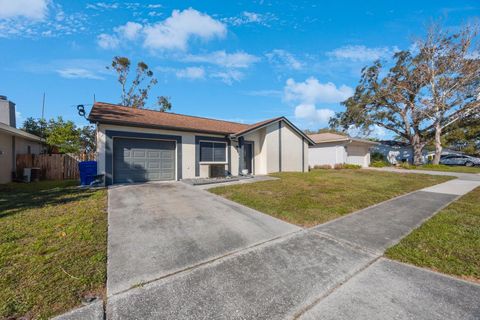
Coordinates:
(152, 139)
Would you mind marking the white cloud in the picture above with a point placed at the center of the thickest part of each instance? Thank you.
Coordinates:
(154, 6)
(18, 118)
(54, 22)
(192, 73)
(78, 73)
(311, 114)
(360, 53)
(283, 58)
(265, 93)
(177, 30)
(31, 9)
(312, 91)
(228, 76)
(129, 31)
(238, 59)
(247, 17)
(107, 41)
(102, 6)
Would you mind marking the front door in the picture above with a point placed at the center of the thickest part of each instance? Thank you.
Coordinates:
(248, 157)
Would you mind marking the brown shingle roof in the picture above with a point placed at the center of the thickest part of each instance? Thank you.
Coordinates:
(334, 137)
(327, 137)
(116, 114)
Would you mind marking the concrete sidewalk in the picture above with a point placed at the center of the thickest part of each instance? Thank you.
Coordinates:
(315, 272)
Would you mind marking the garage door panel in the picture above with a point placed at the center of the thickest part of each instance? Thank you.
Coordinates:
(137, 160)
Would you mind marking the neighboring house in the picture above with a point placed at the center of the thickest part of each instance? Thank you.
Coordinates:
(143, 145)
(13, 141)
(396, 152)
(331, 149)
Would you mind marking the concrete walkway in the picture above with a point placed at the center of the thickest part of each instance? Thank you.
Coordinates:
(332, 271)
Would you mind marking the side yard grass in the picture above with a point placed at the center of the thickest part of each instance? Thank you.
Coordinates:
(442, 167)
(449, 242)
(53, 239)
(318, 196)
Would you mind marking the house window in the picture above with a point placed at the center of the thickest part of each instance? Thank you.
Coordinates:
(29, 150)
(213, 151)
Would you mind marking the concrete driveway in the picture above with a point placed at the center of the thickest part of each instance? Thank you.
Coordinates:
(159, 229)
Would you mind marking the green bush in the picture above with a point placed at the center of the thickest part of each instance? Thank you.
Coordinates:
(339, 166)
(376, 157)
(406, 165)
(323, 166)
(379, 164)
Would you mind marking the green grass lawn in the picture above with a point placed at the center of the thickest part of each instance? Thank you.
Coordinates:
(53, 239)
(317, 196)
(441, 167)
(449, 242)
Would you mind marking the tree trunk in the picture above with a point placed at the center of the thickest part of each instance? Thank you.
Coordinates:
(417, 146)
(438, 143)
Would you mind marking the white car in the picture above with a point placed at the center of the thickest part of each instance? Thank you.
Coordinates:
(459, 160)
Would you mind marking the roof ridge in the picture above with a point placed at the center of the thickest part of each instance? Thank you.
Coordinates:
(174, 113)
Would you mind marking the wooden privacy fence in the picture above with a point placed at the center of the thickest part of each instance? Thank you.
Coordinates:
(52, 166)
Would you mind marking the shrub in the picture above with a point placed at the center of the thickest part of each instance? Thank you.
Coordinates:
(379, 164)
(377, 156)
(339, 166)
(406, 165)
(323, 166)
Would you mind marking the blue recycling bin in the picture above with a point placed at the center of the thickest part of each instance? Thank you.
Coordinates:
(88, 171)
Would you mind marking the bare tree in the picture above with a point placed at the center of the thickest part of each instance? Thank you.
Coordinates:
(136, 96)
(389, 102)
(449, 67)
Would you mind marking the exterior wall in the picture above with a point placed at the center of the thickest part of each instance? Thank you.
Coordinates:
(358, 154)
(260, 150)
(6, 158)
(188, 148)
(272, 148)
(291, 149)
(327, 154)
(339, 152)
(21, 146)
(7, 154)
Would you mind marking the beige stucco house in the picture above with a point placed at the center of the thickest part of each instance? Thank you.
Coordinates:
(142, 145)
(13, 141)
(331, 149)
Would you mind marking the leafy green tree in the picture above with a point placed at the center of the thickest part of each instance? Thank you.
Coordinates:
(64, 135)
(133, 94)
(34, 126)
(88, 138)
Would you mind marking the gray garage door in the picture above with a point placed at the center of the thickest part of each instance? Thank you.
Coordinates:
(137, 160)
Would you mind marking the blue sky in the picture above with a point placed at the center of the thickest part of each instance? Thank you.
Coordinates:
(237, 60)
